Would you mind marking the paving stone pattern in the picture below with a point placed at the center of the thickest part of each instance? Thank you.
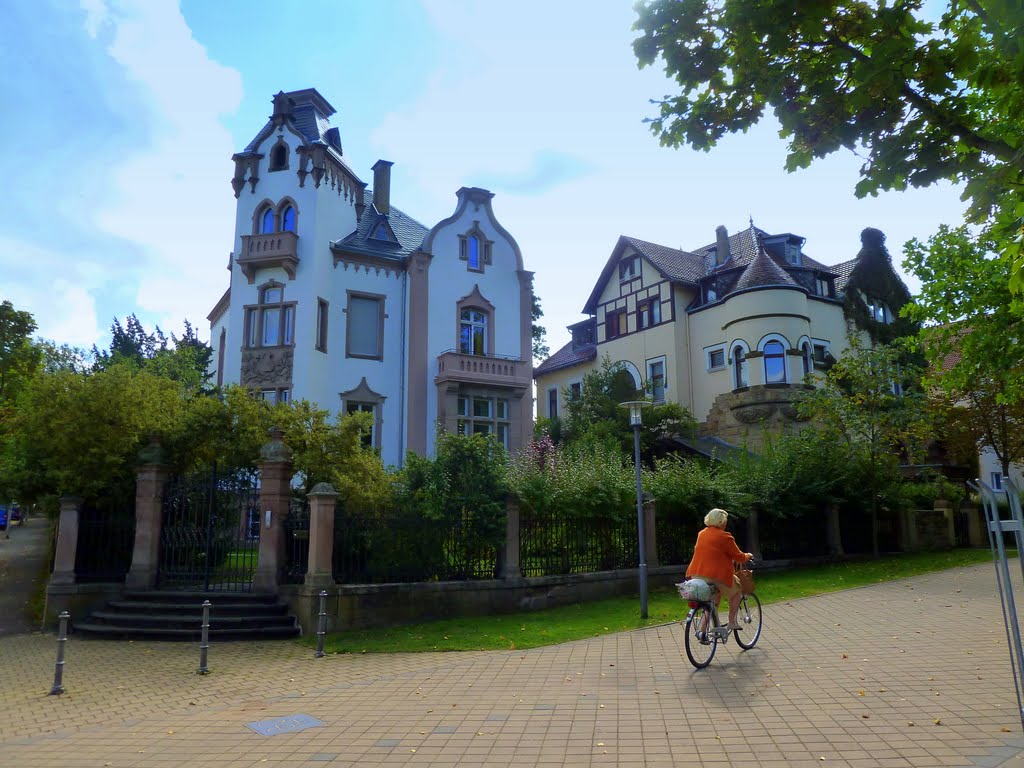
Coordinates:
(909, 673)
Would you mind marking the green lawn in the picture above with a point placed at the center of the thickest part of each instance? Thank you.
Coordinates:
(574, 622)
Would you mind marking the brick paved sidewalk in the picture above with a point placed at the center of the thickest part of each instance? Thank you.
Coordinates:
(910, 673)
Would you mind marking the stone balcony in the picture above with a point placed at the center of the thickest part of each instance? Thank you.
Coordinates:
(455, 367)
(278, 249)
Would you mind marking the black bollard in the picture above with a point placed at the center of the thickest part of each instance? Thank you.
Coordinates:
(322, 630)
(204, 643)
(62, 638)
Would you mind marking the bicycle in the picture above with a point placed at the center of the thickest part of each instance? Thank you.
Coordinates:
(704, 630)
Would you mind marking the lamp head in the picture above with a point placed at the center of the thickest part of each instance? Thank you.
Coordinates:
(634, 407)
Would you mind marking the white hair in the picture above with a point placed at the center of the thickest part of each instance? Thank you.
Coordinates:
(716, 518)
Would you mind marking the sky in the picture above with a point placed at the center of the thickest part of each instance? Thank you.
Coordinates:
(122, 116)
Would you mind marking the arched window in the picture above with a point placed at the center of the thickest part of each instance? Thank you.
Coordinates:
(472, 332)
(805, 356)
(267, 222)
(279, 157)
(474, 252)
(739, 367)
(774, 363)
(288, 219)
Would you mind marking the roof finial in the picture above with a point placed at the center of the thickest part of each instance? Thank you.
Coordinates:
(751, 220)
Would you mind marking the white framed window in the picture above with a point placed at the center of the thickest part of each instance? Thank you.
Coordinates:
(710, 294)
(272, 322)
(715, 357)
(996, 481)
(648, 312)
(481, 414)
(365, 326)
(275, 396)
(575, 390)
(806, 357)
(368, 439)
(823, 286)
(774, 362)
(615, 324)
(553, 403)
(629, 268)
(656, 379)
(740, 372)
(819, 351)
(472, 332)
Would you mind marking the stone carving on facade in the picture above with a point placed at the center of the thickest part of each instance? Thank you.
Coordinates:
(267, 367)
(752, 414)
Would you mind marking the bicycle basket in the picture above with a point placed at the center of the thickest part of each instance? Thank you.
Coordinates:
(694, 589)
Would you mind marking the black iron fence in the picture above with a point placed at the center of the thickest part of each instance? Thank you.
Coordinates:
(402, 546)
(296, 542)
(676, 530)
(106, 538)
(209, 538)
(551, 544)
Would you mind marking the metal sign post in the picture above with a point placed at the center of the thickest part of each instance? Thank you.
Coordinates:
(996, 528)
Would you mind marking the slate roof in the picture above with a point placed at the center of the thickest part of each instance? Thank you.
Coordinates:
(566, 357)
(763, 271)
(410, 233)
(842, 271)
(309, 119)
(743, 248)
(674, 263)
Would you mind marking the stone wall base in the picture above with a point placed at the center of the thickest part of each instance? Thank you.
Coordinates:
(80, 600)
(364, 606)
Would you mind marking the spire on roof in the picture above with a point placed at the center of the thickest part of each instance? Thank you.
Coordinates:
(762, 270)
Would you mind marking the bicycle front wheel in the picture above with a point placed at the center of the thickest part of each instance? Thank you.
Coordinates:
(749, 616)
(701, 641)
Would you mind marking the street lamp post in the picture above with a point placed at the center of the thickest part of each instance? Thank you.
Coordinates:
(634, 407)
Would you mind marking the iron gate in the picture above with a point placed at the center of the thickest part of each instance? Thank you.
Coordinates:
(209, 537)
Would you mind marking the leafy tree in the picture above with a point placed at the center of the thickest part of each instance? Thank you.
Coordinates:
(597, 415)
(540, 347)
(865, 406)
(972, 338)
(63, 357)
(19, 358)
(185, 359)
(75, 434)
(922, 101)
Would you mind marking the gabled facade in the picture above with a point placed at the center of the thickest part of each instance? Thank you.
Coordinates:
(338, 297)
(731, 330)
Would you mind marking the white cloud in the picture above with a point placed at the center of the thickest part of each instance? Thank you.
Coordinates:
(65, 309)
(173, 201)
(515, 82)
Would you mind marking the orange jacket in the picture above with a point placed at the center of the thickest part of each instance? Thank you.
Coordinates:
(714, 555)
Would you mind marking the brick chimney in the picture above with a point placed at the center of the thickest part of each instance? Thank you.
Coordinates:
(382, 186)
(722, 252)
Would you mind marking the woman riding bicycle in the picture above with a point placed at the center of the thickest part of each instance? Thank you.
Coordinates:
(713, 558)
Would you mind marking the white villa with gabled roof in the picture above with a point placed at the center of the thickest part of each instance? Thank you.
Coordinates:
(338, 297)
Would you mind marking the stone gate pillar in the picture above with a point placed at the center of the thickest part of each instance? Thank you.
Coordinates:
(322, 499)
(67, 541)
(150, 479)
(275, 494)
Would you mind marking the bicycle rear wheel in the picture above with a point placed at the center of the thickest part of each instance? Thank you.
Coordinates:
(749, 616)
(701, 641)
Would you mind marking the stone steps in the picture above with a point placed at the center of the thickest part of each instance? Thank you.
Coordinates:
(178, 616)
